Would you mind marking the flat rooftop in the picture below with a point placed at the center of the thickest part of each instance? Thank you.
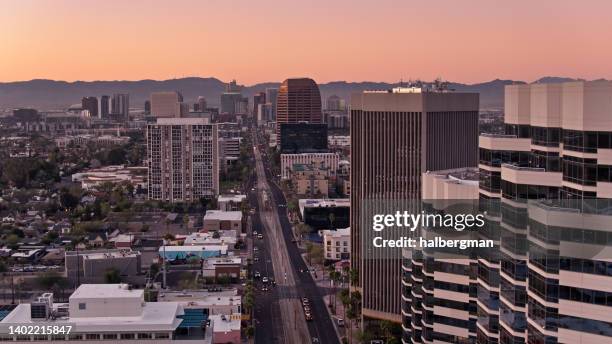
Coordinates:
(234, 198)
(227, 325)
(326, 202)
(109, 255)
(183, 121)
(104, 291)
(201, 298)
(223, 215)
(155, 316)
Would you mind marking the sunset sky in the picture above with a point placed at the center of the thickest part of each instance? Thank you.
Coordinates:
(270, 40)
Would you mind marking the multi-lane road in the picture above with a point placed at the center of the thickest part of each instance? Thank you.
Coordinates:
(279, 317)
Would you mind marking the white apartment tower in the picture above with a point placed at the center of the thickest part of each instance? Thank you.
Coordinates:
(183, 159)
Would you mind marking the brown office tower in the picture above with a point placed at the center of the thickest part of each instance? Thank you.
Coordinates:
(298, 101)
(396, 136)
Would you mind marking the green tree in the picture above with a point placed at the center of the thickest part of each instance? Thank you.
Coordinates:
(12, 241)
(249, 331)
(112, 275)
(116, 156)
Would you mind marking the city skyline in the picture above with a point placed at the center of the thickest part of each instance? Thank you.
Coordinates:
(467, 44)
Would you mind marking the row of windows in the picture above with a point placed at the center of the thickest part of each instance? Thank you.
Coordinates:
(582, 141)
(516, 295)
(495, 158)
(516, 320)
(522, 192)
(553, 234)
(595, 297)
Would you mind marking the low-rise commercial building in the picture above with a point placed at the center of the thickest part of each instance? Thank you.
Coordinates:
(112, 312)
(173, 253)
(325, 213)
(216, 268)
(217, 220)
(230, 202)
(336, 244)
(91, 266)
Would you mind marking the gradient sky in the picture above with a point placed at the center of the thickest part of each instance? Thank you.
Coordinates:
(270, 40)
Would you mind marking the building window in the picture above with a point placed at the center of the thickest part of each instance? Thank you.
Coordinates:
(82, 306)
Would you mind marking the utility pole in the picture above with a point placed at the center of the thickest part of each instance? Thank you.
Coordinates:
(164, 265)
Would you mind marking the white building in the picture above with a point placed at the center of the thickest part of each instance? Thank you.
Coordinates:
(203, 239)
(230, 202)
(183, 159)
(115, 174)
(320, 160)
(339, 141)
(336, 244)
(112, 312)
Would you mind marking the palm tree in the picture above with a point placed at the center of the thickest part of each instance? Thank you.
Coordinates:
(345, 298)
(332, 218)
(385, 328)
(335, 277)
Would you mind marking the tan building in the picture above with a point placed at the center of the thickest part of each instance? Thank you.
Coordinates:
(310, 181)
(166, 104)
(396, 135)
(217, 220)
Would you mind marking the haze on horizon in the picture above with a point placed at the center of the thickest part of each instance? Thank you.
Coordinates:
(271, 40)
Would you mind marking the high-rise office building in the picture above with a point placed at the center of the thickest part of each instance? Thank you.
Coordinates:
(90, 104)
(303, 138)
(166, 104)
(200, 105)
(104, 106)
(548, 185)
(147, 107)
(271, 97)
(232, 101)
(335, 103)
(183, 159)
(544, 187)
(298, 101)
(120, 106)
(397, 135)
(258, 99)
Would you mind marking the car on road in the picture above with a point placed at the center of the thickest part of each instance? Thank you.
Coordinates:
(315, 340)
(305, 301)
(264, 288)
(257, 274)
(265, 280)
(340, 322)
(256, 259)
(308, 317)
(259, 236)
(255, 248)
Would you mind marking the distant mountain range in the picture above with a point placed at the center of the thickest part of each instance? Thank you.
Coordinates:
(51, 94)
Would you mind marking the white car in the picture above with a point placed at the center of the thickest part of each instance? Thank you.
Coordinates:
(265, 280)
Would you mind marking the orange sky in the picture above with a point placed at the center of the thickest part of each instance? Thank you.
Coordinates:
(270, 40)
